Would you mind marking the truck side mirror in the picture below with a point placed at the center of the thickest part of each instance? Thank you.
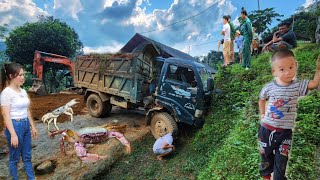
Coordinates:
(210, 84)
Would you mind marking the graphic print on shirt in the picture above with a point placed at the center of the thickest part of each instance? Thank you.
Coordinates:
(275, 112)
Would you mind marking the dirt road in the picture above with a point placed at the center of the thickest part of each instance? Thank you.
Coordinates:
(70, 167)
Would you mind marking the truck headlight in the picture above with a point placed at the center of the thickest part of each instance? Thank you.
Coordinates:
(198, 113)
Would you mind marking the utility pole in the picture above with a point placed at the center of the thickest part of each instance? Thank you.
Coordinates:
(258, 4)
(292, 23)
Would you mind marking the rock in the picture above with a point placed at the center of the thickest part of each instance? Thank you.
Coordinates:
(317, 33)
(45, 167)
(88, 146)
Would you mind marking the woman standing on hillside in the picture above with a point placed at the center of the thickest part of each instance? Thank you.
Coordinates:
(17, 119)
(246, 31)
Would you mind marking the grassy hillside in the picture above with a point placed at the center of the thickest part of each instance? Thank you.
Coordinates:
(226, 147)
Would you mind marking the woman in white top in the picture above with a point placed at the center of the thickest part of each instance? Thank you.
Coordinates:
(19, 125)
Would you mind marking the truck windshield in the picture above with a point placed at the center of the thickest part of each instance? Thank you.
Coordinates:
(204, 76)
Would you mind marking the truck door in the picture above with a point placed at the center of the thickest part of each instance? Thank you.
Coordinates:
(179, 91)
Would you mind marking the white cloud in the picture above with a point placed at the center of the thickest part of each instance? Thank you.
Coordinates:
(68, 7)
(192, 35)
(139, 2)
(112, 48)
(193, 31)
(17, 12)
(308, 3)
(106, 25)
(109, 3)
(186, 49)
(236, 22)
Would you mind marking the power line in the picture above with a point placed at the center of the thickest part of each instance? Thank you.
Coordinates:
(181, 20)
(205, 43)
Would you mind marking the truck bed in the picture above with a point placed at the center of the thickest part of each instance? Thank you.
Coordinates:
(121, 75)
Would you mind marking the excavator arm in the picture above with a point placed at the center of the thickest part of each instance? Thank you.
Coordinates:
(38, 62)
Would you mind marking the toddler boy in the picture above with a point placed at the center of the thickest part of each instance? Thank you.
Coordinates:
(277, 120)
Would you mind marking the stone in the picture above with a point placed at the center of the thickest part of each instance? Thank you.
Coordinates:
(45, 167)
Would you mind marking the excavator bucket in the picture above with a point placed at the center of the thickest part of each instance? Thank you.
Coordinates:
(38, 87)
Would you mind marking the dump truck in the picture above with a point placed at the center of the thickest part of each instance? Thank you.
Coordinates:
(171, 90)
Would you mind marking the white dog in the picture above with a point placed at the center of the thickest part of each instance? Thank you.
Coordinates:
(53, 116)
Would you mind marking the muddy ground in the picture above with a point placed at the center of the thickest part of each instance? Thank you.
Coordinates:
(41, 105)
(70, 166)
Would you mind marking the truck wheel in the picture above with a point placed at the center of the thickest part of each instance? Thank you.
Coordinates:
(162, 124)
(95, 106)
(107, 108)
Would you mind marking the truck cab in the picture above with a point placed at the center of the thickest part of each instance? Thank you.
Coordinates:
(171, 90)
(183, 95)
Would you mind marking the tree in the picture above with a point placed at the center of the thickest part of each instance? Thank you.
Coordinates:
(47, 34)
(260, 19)
(303, 23)
(3, 32)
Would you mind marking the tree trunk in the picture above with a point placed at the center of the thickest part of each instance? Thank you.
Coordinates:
(317, 34)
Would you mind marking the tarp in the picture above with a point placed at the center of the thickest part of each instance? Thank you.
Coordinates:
(165, 51)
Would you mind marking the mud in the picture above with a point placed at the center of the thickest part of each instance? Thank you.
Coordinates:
(70, 166)
(41, 105)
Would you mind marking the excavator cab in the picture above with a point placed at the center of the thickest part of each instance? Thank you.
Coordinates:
(38, 87)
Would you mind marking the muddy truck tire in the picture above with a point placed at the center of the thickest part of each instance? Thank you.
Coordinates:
(162, 124)
(107, 108)
(96, 107)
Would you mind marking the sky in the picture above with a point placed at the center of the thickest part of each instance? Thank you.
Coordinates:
(107, 25)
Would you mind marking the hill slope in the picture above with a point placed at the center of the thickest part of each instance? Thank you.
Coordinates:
(226, 147)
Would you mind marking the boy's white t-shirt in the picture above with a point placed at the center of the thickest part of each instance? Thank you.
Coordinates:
(226, 29)
(160, 142)
(18, 102)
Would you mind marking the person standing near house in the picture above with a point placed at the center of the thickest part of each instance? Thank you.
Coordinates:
(246, 31)
(232, 36)
(19, 125)
(239, 42)
(219, 44)
(255, 42)
(227, 41)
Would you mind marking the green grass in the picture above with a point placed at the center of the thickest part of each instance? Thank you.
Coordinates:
(226, 147)
(143, 164)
